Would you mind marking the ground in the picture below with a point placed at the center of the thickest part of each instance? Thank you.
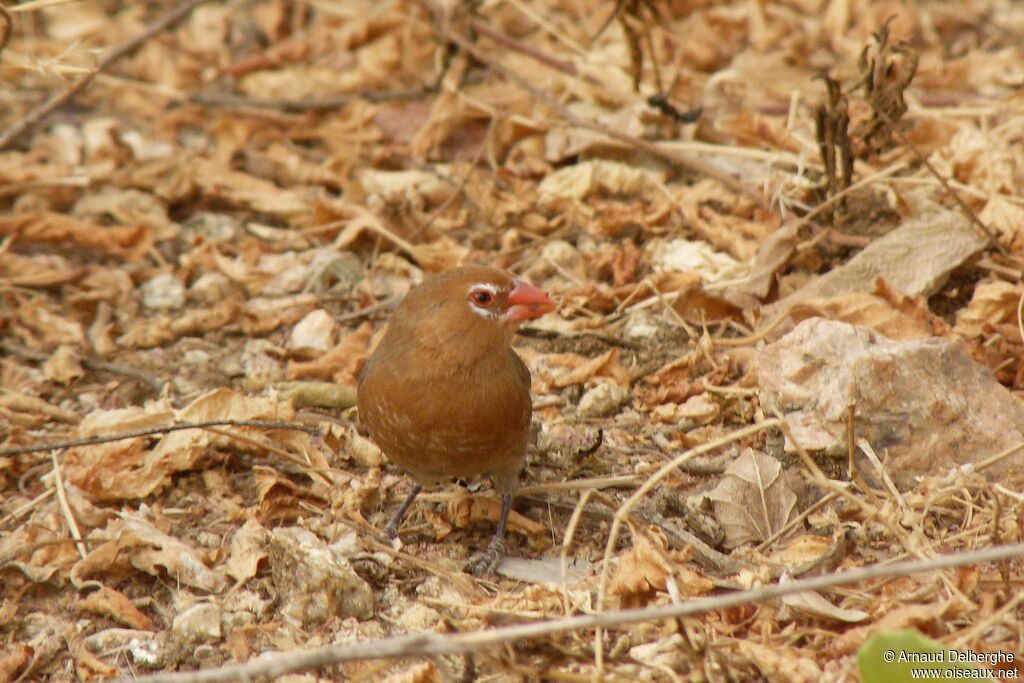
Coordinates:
(785, 238)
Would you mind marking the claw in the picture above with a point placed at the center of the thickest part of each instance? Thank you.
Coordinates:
(486, 563)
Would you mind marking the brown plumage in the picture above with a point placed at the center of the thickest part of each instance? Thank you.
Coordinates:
(444, 395)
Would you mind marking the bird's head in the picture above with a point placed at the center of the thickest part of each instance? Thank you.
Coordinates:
(469, 306)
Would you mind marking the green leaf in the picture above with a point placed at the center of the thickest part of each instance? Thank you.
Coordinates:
(894, 656)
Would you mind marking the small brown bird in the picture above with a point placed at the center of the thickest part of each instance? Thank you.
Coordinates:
(444, 395)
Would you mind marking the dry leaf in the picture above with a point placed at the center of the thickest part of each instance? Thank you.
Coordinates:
(754, 500)
(813, 604)
(261, 315)
(63, 366)
(115, 604)
(564, 369)
(127, 242)
(740, 230)
(915, 258)
(247, 548)
(341, 364)
(864, 310)
(649, 567)
(992, 306)
(36, 271)
(125, 469)
(777, 663)
(30, 404)
(424, 672)
(696, 257)
(137, 544)
(41, 328)
(13, 659)
(579, 180)
(466, 509)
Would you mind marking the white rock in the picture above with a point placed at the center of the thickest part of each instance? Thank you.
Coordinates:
(315, 583)
(318, 331)
(418, 618)
(925, 402)
(162, 292)
(200, 623)
(697, 257)
(602, 400)
(211, 288)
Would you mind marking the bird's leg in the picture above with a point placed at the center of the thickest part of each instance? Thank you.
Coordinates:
(391, 529)
(487, 561)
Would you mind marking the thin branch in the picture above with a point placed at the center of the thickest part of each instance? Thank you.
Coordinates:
(624, 511)
(88, 363)
(62, 500)
(106, 438)
(626, 508)
(115, 54)
(696, 165)
(330, 103)
(5, 27)
(923, 160)
(435, 644)
(511, 43)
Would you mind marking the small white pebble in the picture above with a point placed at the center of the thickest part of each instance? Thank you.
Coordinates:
(602, 400)
(162, 292)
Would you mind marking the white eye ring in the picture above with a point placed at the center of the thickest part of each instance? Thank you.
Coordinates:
(483, 308)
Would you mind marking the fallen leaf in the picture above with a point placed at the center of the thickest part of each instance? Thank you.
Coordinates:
(915, 258)
(137, 544)
(115, 604)
(649, 566)
(128, 242)
(341, 364)
(466, 509)
(813, 604)
(753, 500)
(247, 548)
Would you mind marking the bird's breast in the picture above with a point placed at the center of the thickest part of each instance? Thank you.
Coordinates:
(463, 421)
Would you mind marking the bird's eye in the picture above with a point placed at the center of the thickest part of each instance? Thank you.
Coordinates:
(482, 297)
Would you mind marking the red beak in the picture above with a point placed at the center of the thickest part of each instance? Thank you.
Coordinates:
(526, 302)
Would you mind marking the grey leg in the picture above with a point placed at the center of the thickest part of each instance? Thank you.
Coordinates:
(488, 561)
(391, 530)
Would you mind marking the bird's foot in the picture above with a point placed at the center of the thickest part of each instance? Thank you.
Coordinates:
(486, 562)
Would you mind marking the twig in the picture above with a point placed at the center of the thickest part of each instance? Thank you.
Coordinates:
(322, 475)
(215, 99)
(26, 507)
(436, 644)
(65, 508)
(908, 541)
(106, 438)
(618, 481)
(625, 509)
(5, 30)
(976, 630)
(88, 363)
(695, 165)
(923, 160)
(113, 55)
(1020, 315)
(829, 497)
(511, 43)
(464, 584)
(570, 533)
